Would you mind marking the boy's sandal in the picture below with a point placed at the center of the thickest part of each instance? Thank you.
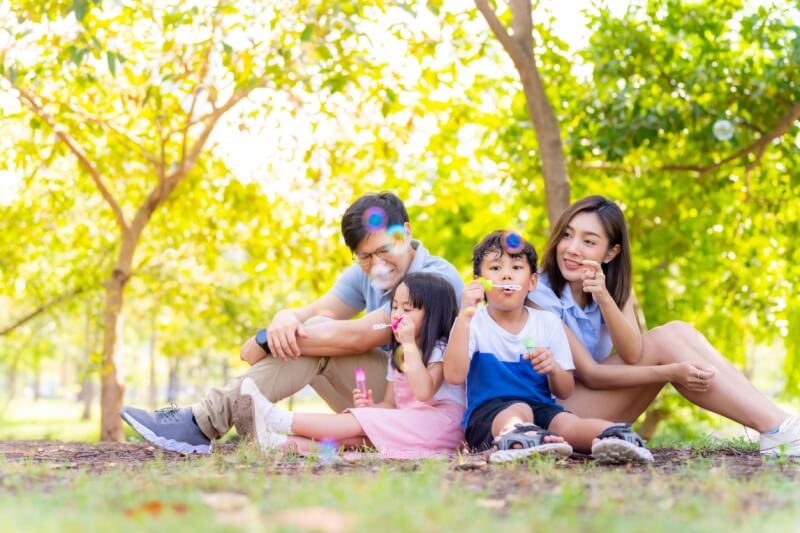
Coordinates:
(619, 444)
(526, 440)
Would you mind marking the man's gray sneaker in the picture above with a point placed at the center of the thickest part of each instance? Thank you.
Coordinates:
(172, 429)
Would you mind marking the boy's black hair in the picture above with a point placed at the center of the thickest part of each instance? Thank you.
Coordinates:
(504, 242)
(353, 227)
(436, 297)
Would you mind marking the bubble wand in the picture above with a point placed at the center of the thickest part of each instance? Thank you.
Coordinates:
(489, 285)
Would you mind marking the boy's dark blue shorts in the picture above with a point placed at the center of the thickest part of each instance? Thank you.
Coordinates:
(479, 427)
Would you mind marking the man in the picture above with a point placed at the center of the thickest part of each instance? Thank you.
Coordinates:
(300, 347)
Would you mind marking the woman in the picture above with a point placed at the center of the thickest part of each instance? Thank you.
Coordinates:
(586, 279)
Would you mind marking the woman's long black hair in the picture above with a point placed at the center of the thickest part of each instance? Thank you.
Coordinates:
(436, 297)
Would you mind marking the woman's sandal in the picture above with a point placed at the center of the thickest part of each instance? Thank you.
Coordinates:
(619, 444)
(530, 441)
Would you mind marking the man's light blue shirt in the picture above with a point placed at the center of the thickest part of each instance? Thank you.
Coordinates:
(355, 289)
(586, 324)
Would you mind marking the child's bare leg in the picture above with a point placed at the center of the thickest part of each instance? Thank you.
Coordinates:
(327, 426)
(518, 413)
(304, 445)
(579, 432)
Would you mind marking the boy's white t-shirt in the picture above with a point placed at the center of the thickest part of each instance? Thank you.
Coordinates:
(446, 392)
(543, 327)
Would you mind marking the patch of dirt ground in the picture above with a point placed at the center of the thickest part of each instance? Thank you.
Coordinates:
(102, 456)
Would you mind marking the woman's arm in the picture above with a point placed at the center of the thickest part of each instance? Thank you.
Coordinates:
(598, 376)
(621, 323)
(424, 382)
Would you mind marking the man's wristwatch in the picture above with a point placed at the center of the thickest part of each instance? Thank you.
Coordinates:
(261, 340)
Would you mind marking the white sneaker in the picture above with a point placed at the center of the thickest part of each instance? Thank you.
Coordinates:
(786, 441)
(261, 411)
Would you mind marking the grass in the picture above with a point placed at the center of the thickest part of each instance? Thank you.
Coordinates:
(58, 419)
(245, 491)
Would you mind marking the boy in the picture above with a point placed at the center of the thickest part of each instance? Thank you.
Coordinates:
(509, 384)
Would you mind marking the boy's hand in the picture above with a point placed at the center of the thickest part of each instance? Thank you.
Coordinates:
(542, 360)
(404, 332)
(471, 297)
(362, 400)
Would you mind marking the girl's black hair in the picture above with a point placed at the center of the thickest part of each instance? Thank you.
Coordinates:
(436, 297)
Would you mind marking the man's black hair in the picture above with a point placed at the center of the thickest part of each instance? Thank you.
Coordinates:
(354, 229)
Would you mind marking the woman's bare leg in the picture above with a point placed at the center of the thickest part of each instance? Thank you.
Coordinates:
(730, 394)
(617, 405)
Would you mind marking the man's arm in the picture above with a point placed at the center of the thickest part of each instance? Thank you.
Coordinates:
(345, 337)
(287, 327)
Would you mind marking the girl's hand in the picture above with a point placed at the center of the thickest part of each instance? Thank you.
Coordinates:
(694, 378)
(594, 281)
(471, 297)
(542, 360)
(404, 332)
(362, 400)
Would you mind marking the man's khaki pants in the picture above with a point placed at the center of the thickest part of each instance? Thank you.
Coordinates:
(332, 377)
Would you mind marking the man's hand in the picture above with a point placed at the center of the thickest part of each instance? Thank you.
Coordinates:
(251, 352)
(282, 335)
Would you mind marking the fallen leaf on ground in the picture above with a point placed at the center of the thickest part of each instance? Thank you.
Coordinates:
(232, 508)
(315, 519)
(491, 504)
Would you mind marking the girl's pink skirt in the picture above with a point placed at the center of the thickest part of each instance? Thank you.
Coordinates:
(414, 429)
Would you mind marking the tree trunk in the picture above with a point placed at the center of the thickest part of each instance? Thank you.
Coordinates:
(111, 390)
(519, 46)
(153, 392)
(37, 377)
(174, 381)
(87, 395)
(12, 380)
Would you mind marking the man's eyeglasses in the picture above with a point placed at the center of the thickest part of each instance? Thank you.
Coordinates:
(384, 252)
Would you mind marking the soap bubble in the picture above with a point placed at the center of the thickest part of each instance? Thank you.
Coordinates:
(374, 219)
(723, 130)
(328, 451)
(512, 242)
(381, 276)
(397, 235)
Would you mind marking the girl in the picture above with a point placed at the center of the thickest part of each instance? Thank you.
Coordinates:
(419, 416)
(586, 280)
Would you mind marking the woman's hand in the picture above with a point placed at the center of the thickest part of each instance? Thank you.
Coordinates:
(692, 377)
(542, 360)
(404, 331)
(362, 400)
(594, 281)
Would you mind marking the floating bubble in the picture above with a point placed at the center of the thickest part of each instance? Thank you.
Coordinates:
(381, 276)
(328, 451)
(512, 242)
(399, 357)
(723, 130)
(397, 235)
(374, 219)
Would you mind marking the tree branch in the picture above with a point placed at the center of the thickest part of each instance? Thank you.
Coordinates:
(30, 100)
(103, 123)
(759, 146)
(39, 310)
